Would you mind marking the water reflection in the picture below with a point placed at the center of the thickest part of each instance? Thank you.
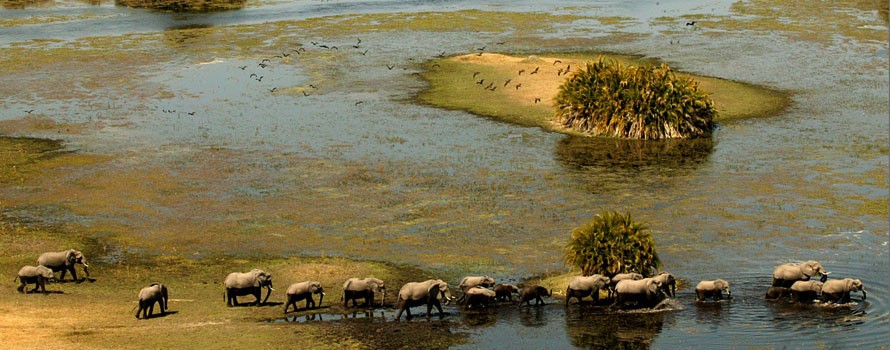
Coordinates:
(712, 312)
(633, 158)
(593, 328)
(184, 5)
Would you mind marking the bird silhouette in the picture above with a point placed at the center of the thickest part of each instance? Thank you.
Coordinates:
(537, 99)
(441, 54)
(313, 86)
(324, 46)
(29, 111)
(436, 65)
(263, 65)
(490, 85)
(559, 72)
(356, 46)
(243, 67)
(690, 23)
(304, 93)
(253, 75)
(568, 68)
(475, 74)
(277, 56)
(557, 61)
(359, 40)
(265, 60)
(482, 48)
(285, 54)
(535, 71)
(507, 82)
(260, 78)
(480, 82)
(518, 86)
(364, 53)
(390, 67)
(493, 88)
(191, 113)
(521, 70)
(499, 43)
(479, 54)
(272, 90)
(334, 48)
(359, 102)
(314, 43)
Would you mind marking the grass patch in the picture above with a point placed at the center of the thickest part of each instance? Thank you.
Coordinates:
(454, 84)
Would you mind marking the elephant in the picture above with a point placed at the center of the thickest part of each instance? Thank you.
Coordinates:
(64, 261)
(355, 288)
(620, 277)
(838, 291)
(38, 275)
(582, 286)
(776, 293)
(479, 297)
(786, 274)
(473, 281)
(247, 283)
(668, 283)
(712, 289)
(647, 292)
(423, 293)
(533, 292)
(304, 290)
(504, 292)
(805, 291)
(148, 296)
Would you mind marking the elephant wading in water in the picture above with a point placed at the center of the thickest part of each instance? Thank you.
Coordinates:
(504, 292)
(620, 277)
(479, 297)
(838, 291)
(668, 283)
(38, 275)
(301, 291)
(148, 296)
(64, 262)
(786, 274)
(533, 292)
(646, 292)
(355, 288)
(776, 293)
(473, 281)
(423, 293)
(712, 289)
(247, 283)
(805, 291)
(582, 286)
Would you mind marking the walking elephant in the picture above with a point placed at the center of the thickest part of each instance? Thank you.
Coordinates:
(646, 292)
(38, 275)
(668, 283)
(533, 292)
(838, 291)
(805, 291)
(620, 277)
(712, 289)
(582, 286)
(423, 293)
(504, 292)
(479, 297)
(786, 274)
(303, 291)
(148, 296)
(247, 283)
(473, 281)
(365, 288)
(64, 262)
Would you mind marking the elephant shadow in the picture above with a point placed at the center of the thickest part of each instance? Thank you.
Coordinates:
(326, 307)
(266, 304)
(160, 315)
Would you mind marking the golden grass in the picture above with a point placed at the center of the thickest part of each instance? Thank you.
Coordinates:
(452, 85)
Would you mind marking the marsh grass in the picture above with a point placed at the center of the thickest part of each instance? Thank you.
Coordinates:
(184, 5)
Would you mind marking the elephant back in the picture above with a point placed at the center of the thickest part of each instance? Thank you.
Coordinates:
(633, 286)
(299, 288)
(481, 291)
(52, 259)
(241, 280)
(28, 271)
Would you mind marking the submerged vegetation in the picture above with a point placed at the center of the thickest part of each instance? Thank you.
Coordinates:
(612, 243)
(642, 102)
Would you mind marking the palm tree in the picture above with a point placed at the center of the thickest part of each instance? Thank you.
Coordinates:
(612, 243)
(642, 102)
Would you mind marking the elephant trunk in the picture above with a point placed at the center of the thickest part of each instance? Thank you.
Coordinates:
(863, 293)
(320, 298)
(729, 293)
(383, 298)
(86, 268)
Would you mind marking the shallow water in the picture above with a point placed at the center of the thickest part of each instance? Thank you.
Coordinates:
(391, 180)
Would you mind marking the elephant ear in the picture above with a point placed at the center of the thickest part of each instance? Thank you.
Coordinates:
(850, 283)
(808, 269)
(70, 258)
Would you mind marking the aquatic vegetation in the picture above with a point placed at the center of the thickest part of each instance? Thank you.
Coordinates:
(612, 243)
(184, 5)
(642, 102)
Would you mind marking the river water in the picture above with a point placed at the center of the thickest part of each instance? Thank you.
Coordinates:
(810, 183)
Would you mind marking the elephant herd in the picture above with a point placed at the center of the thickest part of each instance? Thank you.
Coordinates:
(790, 281)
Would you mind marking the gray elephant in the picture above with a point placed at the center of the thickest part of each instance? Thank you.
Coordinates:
(303, 291)
(776, 293)
(38, 275)
(712, 290)
(646, 292)
(620, 277)
(422, 293)
(504, 292)
(148, 296)
(247, 283)
(355, 288)
(582, 286)
(668, 283)
(786, 274)
(479, 297)
(64, 262)
(805, 291)
(473, 281)
(533, 292)
(838, 291)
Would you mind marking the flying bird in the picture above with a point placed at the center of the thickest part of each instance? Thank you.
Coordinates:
(480, 82)
(390, 67)
(537, 99)
(535, 71)
(243, 67)
(475, 74)
(557, 61)
(518, 86)
(507, 82)
(521, 70)
(29, 111)
(690, 23)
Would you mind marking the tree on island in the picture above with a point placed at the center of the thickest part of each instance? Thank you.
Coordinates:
(640, 102)
(612, 243)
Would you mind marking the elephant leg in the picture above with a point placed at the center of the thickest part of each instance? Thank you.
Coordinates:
(438, 307)
(73, 274)
(258, 294)
(429, 309)
(62, 277)
(21, 288)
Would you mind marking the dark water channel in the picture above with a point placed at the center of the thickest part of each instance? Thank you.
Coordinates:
(762, 192)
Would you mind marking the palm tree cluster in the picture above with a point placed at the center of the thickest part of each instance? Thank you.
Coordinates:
(641, 102)
(612, 243)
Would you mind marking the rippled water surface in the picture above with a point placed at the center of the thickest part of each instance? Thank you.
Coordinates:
(352, 166)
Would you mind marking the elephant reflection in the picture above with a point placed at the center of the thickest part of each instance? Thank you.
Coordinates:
(615, 330)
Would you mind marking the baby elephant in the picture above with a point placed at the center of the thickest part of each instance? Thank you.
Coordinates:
(37, 275)
(479, 297)
(712, 289)
(776, 293)
(148, 296)
(805, 291)
(504, 292)
(473, 281)
(838, 291)
(533, 292)
(303, 290)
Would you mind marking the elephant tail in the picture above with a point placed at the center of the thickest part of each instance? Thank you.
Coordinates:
(16, 277)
